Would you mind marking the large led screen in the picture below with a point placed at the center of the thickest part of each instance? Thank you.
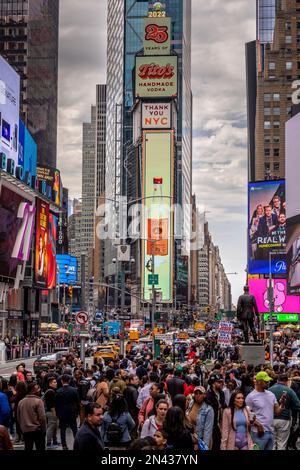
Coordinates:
(67, 269)
(41, 244)
(267, 228)
(283, 303)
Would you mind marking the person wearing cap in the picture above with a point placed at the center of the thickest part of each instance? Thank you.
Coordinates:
(216, 399)
(264, 404)
(282, 423)
(201, 416)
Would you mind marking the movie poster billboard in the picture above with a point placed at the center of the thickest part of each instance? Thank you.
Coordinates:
(16, 230)
(283, 303)
(158, 237)
(156, 77)
(292, 171)
(41, 244)
(9, 112)
(52, 178)
(51, 248)
(157, 36)
(267, 227)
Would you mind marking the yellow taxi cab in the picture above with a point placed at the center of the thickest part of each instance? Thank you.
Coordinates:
(104, 352)
(114, 346)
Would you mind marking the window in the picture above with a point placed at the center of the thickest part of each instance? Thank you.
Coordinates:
(267, 166)
(276, 166)
(276, 124)
(272, 65)
(267, 97)
(267, 111)
(276, 152)
(276, 96)
(289, 65)
(288, 39)
(276, 111)
(267, 139)
(267, 124)
(298, 25)
(276, 139)
(289, 77)
(288, 26)
(267, 152)
(289, 110)
(298, 65)
(289, 97)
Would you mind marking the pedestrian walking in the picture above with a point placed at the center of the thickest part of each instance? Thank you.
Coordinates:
(67, 406)
(88, 438)
(52, 420)
(156, 421)
(5, 442)
(236, 424)
(179, 436)
(117, 424)
(216, 399)
(32, 418)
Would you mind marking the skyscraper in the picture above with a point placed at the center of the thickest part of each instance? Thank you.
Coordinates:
(125, 40)
(270, 76)
(29, 42)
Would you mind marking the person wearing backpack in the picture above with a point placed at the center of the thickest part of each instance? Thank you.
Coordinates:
(117, 424)
(52, 421)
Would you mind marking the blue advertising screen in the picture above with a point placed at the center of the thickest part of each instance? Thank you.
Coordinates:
(27, 156)
(111, 328)
(67, 269)
(267, 227)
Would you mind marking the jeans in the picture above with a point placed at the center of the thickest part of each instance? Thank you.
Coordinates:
(64, 424)
(51, 427)
(37, 438)
(265, 442)
(282, 429)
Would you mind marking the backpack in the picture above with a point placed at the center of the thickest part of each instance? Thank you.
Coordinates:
(114, 431)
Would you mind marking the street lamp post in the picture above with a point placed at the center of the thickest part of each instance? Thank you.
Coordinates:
(271, 308)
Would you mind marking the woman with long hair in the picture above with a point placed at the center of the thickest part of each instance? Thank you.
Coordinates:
(21, 391)
(179, 437)
(236, 424)
(155, 423)
(117, 424)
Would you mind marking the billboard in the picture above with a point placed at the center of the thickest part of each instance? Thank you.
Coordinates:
(283, 303)
(51, 251)
(157, 36)
(41, 244)
(267, 227)
(156, 77)
(292, 131)
(27, 154)
(9, 113)
(62, 243)
(52, 178)
(157, 194)
(156, 116)
(67, 269)
(16, 230)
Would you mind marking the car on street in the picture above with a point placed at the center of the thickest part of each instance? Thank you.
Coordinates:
(43, 361)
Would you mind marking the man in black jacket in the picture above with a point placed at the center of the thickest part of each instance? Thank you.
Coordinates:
(216, 399)
(246, 312)
(175, 385)
(131, 395)
(67, 406)
(88, 438)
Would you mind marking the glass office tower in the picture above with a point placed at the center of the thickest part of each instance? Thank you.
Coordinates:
(125, 40)
(29, 42)
(265, 20)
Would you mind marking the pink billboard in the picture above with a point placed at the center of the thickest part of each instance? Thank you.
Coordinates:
(283, 303)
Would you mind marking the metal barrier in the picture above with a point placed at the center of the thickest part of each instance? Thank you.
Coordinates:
(21, 352)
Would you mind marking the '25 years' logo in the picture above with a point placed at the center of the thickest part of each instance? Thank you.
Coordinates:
(158, 34)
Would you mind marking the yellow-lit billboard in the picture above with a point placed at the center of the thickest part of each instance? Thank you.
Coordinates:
(158, 236)
(156, 77)
(157, 36)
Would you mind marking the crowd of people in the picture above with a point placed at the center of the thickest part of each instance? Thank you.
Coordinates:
(140, 403)
(17, 347)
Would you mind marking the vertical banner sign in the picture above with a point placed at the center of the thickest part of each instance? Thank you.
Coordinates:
(156, 77)
(157, 36)
(158, 163)
(51, 249)
(225, 334)
(41, 242)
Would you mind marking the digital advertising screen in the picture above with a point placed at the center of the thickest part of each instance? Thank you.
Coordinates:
(52, 178)
(292, 170)
(41, 244)
(67, 269)
(27, 156)
(9, 111)
(51, 248)
(267, 227)
(156, 77)
(157, 36)
(15, 228)
(158, 230)
(283, 303)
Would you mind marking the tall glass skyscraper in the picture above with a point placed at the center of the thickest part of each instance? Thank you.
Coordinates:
(125, 40)
(29, 42)
(265, 20)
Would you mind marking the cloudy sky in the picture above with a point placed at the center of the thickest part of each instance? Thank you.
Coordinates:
(220, 31)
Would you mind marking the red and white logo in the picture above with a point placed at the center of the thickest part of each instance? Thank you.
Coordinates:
(149, 71)
(158, 34)
(82, 318)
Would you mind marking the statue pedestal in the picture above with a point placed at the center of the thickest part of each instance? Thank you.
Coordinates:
(252, 353)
